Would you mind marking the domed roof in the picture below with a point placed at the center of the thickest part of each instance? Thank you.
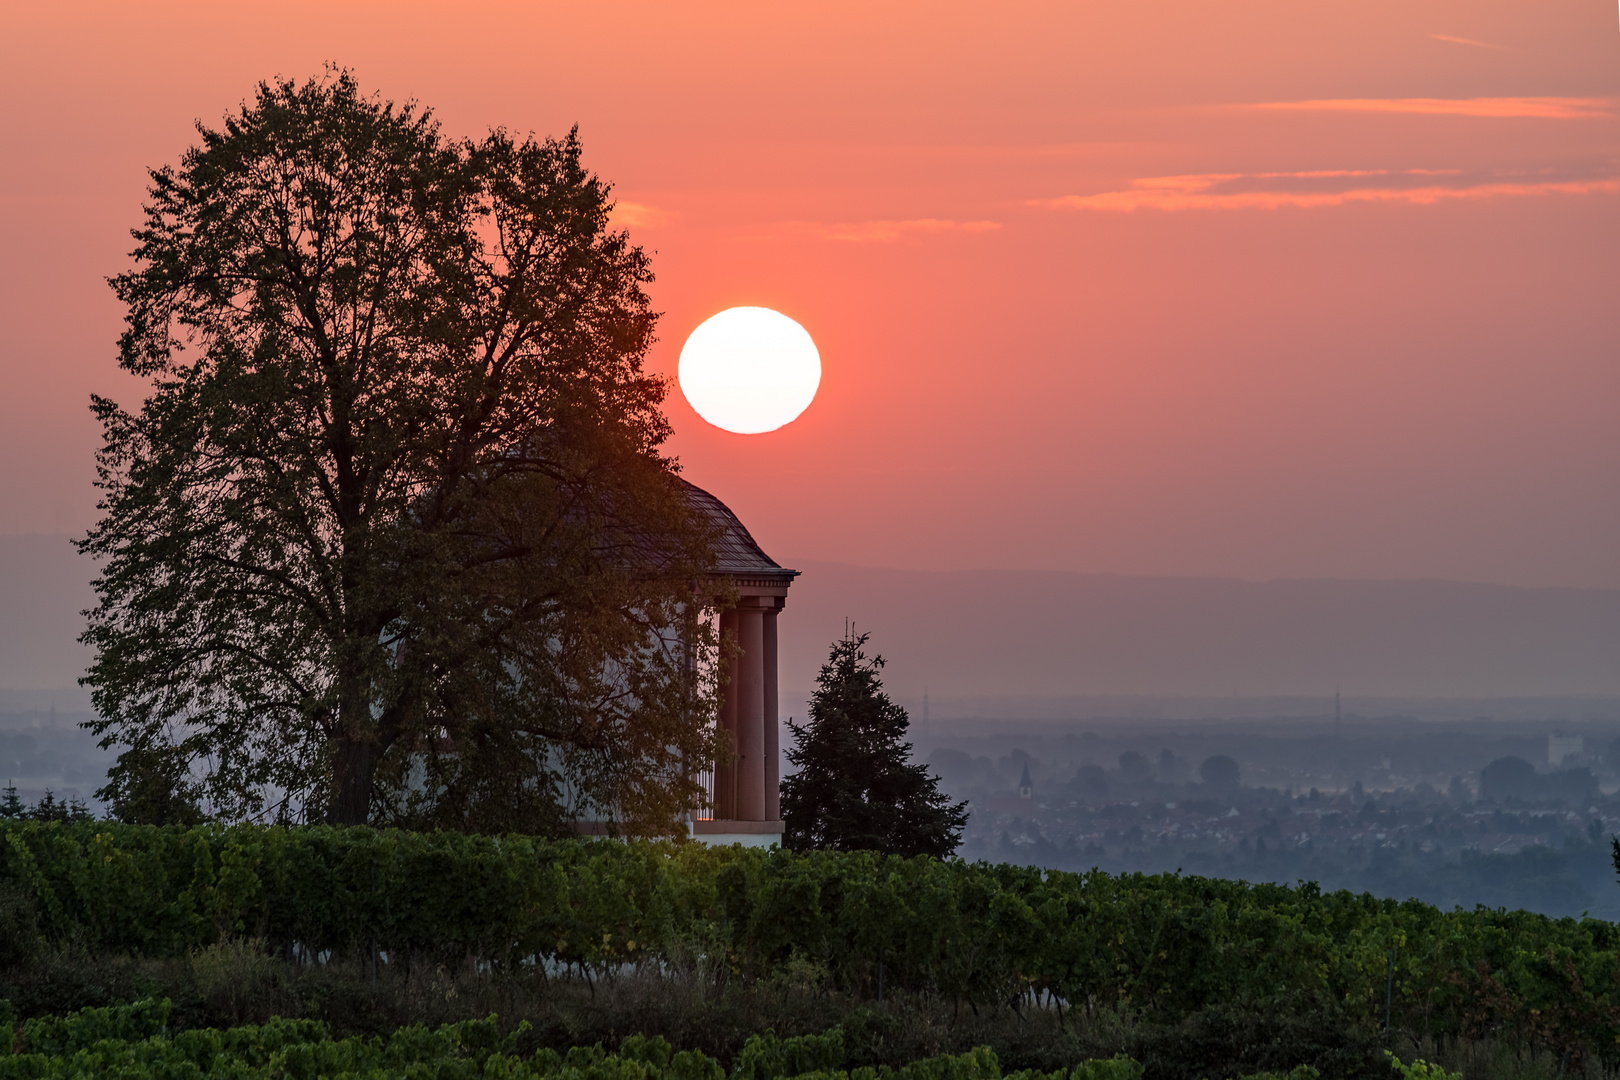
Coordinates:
(738, 552)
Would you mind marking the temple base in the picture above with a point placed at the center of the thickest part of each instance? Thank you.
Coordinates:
(746, 833)
(706, 831)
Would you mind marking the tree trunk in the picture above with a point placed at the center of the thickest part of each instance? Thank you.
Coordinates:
(354, 765)
(352, 775)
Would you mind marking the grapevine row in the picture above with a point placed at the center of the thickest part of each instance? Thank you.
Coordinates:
(980, 934)
(133, 1042)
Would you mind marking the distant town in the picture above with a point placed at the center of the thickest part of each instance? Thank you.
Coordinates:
(1506, 813)
(1500, 813)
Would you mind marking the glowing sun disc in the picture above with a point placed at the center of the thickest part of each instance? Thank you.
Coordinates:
(750, 370)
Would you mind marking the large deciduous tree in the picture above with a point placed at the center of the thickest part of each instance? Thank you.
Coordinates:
(855, 786)
(391, 536)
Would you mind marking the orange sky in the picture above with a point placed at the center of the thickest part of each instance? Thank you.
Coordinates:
(1260, 289)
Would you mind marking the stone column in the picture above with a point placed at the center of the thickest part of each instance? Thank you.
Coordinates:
(725, 776)
(773, 728)
(751, 715)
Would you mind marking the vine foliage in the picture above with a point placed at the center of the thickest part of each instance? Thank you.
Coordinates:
(989, 936)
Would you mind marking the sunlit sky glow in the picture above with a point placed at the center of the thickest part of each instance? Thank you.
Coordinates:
(1263, 289)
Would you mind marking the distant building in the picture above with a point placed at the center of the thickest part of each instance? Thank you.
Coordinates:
(744, 798)
(1026, 789)
(1560, 747)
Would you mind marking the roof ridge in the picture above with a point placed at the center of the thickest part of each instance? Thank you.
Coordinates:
(737, 550)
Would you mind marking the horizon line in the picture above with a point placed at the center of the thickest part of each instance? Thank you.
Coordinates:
(792, 563)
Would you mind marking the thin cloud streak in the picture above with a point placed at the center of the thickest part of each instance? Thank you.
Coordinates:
(885, 232)
(1538, 108)
(1469, 41)
(1202, 191)
(1027, 151)
(634, 215)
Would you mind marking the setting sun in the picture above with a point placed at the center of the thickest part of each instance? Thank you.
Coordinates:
(750, 370)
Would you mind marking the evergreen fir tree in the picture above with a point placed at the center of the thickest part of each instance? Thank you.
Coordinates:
(11, 807)
(48, 809)
(855, 787)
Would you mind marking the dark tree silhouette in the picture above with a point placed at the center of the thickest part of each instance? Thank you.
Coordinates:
(1219, 771)
(856, 787)
(391, 536)
(1507, 778)
(160, 790)
(1135, 767)
(50, 808)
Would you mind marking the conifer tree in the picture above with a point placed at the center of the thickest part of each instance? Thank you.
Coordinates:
(855, 788)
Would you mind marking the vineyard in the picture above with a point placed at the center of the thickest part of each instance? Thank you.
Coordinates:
(972, 937)
(134, 1043)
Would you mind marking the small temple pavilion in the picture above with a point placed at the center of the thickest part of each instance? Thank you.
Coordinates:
(745, 796)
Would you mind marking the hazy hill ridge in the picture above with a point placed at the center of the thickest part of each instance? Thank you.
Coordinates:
(1049, 633)
(1045, 633)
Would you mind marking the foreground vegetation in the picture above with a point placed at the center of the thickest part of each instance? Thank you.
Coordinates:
(135, 1042)
(370, 932)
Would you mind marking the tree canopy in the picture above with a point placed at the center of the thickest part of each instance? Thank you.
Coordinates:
(1219, 771)
(855, 786)
(391, 537)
